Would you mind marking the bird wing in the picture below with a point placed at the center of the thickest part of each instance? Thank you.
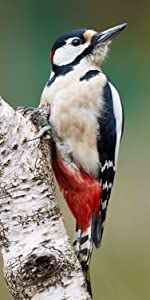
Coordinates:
(111, 128)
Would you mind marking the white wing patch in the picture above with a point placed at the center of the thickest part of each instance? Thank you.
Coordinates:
(108, 164)
(118, 117)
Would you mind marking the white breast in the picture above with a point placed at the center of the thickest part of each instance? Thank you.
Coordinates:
(74, 108)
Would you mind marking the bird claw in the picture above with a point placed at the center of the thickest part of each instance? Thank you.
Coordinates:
(40, 118)
(30, 110)
(45, 133)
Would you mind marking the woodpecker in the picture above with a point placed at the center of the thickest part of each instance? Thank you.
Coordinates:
(86, 116)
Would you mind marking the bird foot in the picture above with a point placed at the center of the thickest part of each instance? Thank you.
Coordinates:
(40, 118)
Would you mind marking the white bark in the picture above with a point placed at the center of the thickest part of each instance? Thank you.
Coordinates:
(39, 262)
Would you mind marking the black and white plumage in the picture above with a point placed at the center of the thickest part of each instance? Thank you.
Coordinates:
(87, 117)
(111, 123)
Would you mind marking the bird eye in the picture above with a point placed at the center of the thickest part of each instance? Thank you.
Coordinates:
(76, 42)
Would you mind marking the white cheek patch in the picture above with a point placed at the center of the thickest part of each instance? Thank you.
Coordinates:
(68, 53)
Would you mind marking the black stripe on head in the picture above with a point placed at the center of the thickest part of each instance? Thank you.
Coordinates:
(74, 33)
(63, 69)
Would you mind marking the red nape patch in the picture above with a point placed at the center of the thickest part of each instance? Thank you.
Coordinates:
(81, 191)
(52, 54)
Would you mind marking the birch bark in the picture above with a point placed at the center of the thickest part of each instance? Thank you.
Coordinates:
(39, 262)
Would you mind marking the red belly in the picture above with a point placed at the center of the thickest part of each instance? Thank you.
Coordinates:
(81, 191)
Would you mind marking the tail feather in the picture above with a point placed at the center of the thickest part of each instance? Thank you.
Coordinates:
(86, 272)
(97, 229)
(83, 245)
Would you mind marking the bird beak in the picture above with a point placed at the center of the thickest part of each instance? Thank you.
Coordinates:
(108, 34)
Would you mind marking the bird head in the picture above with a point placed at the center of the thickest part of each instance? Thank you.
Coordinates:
(82, 46)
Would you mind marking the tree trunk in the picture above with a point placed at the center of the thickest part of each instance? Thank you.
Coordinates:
(39, 262)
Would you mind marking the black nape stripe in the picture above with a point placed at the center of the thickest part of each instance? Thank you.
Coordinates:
(62, 70)
(51, 80)
(88, 75)
(59, 71)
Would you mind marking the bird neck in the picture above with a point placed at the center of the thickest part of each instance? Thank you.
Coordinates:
(84, 66)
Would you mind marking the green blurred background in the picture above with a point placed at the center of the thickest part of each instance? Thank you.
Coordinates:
(121, 269)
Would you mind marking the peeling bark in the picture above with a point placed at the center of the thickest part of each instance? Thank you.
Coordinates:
(39, 262)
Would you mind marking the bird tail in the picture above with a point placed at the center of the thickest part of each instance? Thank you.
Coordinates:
(83, 245)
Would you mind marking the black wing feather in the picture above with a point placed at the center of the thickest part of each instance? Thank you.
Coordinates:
(106, 144)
